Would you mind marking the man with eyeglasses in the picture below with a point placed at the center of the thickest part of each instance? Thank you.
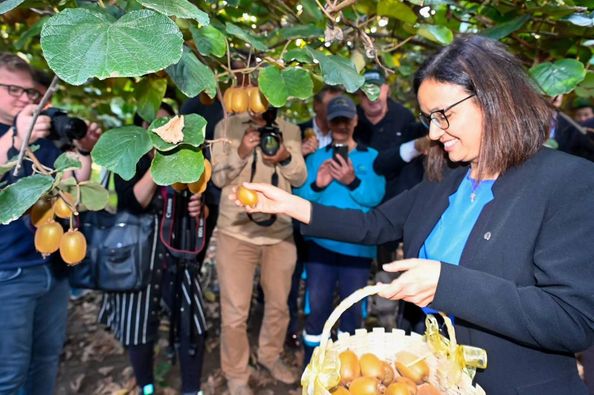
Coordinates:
(34, 297)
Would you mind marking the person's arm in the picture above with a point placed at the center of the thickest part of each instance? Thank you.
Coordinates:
(226, 162)
(371, 188)
(557, 313)
(5, 146)
(136, 194)
(309, 190)
(293, 169)
(390, 162)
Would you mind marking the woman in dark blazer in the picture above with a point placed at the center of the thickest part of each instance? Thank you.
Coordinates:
(501, 234)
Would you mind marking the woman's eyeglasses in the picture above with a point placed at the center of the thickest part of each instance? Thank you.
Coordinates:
(17, 91)
(438, 117)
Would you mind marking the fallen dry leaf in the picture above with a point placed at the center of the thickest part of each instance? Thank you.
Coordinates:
(172, 131)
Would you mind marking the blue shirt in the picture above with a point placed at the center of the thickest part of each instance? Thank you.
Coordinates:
(17, 248)
(364, 197)
(446, 241)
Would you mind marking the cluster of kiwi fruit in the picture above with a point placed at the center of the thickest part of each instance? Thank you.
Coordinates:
(50, 236)
(241, 99)
(370, 375)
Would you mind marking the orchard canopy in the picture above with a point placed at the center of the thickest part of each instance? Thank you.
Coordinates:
(113, 58)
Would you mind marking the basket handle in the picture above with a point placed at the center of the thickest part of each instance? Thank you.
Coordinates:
(343, 306)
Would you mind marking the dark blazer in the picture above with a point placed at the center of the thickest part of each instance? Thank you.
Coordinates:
(524, 288)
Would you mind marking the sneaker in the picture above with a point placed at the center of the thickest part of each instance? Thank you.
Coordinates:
(281, 372)
(239, 388)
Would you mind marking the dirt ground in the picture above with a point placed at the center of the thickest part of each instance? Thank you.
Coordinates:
(93, 362)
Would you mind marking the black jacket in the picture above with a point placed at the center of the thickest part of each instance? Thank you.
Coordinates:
(524, 288)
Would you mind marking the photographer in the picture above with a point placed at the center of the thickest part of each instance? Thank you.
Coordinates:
(267, 149)
(34, 298)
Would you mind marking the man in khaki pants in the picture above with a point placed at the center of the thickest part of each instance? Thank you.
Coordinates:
(244, 242)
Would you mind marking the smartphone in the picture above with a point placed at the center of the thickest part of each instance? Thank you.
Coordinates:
(342, 150)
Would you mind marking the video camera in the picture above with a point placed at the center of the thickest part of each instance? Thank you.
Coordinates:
(270, 135)
(64, 128)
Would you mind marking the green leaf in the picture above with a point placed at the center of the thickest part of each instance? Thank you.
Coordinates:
(298, 82)
(337, 70)
(299, 54)
(581, 19)
(209, 41)
(273, 86)
(504, 29)
(191, 76)
(79, 44)
(438, 34)
(120, 149)
(67, 161)
(16, 198)
(149, 95)
(396, 9)
(311, 11)
(194, 132)
(559, 77)
(238, 32)
(8, 5)
(300, 31)
(93, 196)
(178, 8)
(185, 164)
(372, 91)
(6, 167)
(586, 87)
(28, 35)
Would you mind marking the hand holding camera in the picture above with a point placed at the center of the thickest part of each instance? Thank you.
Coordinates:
(41, 129)
(250, 140)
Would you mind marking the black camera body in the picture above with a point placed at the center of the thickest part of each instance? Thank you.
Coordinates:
(271, 137)
(64, 128)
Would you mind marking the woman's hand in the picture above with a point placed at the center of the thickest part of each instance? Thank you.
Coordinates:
(273, 200)
(417, 282)
(195, 205)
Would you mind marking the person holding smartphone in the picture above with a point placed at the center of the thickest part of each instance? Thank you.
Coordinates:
(340, 175)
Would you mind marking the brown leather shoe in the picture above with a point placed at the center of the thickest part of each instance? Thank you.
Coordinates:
(281, 372)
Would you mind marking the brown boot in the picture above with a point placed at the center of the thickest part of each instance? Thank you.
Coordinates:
(281, 372)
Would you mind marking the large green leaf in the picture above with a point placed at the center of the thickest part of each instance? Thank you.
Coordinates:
(273, 86)
(337, 70)
(67, 161)
(559, 77)
(504, 29)
(396, 9)
(298, 82)
(238, 32)
(185, 164)
(438, 34)
(178, 8)
(149, 95)
(120, 149)
(209, 41)
(581, 19)
(8, 5)
(311, 11)
(93, 196)
(79, 44)
(191, 76)
(194, 131)
(15, 199)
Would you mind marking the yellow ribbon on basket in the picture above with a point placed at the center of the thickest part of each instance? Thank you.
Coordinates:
(322, 373)
(455, 358)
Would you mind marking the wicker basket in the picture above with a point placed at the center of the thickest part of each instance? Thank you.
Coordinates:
(385, 345)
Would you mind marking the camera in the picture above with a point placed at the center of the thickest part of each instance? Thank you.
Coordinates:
(63, 127)
(270, 135)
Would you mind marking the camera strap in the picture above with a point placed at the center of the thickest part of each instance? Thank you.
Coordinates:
(274, 182)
